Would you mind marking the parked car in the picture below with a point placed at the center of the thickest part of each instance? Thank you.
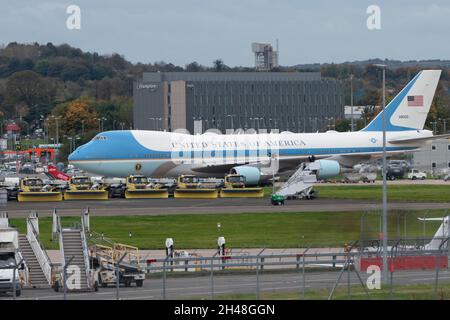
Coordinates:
(447, 177)
(416, 175)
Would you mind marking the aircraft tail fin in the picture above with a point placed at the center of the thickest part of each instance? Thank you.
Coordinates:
(441, 234)
(410, 107)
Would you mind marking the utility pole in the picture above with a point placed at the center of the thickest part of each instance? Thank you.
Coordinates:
(385, 240)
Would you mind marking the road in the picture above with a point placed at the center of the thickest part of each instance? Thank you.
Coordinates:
(199, 287)
(203, 206)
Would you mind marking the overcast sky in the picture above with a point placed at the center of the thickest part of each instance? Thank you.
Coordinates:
(182, 31)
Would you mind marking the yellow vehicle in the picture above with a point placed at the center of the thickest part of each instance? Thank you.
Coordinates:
(234, 187)
(189, 186)
(33, 189)
(139, 187)
(81, 188)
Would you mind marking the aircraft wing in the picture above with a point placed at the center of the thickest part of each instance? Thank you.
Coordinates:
(412, 140)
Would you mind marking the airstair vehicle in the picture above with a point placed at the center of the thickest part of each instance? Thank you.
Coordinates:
(39, 265)
(299, 185)
(76, 271)
(111, 259)
(35, 269)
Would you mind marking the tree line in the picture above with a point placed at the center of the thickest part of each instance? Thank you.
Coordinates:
(44, 81)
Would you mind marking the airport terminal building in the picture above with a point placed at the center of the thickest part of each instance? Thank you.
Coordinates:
(434, 157)
(288, 101)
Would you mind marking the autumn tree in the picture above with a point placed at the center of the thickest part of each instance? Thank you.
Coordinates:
(77, 116)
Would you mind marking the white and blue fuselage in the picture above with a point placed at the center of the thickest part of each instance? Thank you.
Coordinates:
(169, 154)
(158, 154)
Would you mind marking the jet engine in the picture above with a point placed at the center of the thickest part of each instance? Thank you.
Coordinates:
(326, 168)
(252, 174)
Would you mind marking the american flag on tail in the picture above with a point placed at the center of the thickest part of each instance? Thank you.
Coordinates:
(415, 101)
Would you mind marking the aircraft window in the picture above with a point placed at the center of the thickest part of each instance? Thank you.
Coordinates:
(99, 138)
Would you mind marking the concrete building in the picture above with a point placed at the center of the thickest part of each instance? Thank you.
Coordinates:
(293, 101)
(434, 157)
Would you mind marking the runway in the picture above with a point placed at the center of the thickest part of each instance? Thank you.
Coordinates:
(198, 287)
(205, 206)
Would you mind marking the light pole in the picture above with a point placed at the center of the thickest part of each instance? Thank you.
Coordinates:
(82, 127)
(70, 143)
(231, 118)
(100, 123)
(385, 239)
(57, 137)
(351, 102)
(444, 121)
(103, 119)
(434, 123)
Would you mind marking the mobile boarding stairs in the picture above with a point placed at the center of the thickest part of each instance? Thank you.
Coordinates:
(300, 184)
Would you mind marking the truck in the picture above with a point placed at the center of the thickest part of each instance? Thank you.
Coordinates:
(190, 186)
(414, 174)
(81, 188)
(34, 189)
(11, 262)
(234, 186)
(137, 187)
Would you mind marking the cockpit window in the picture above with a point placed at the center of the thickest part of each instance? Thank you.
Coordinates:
(99, 138)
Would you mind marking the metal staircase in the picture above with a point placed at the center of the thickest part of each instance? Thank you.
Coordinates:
(36, 276)
(36, 259)
(73, 249)
(300, 184)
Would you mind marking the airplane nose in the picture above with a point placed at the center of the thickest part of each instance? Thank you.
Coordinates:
(76, 154)
(73, 156)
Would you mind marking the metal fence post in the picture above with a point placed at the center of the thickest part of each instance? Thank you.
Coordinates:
(65, 276)
(348, 277)
(257, 278)
(258, 264)
(303, 272)
(303, 276)
(164, 279)
(118, 276)
(212, 276)
(14, 282)
(438, 266)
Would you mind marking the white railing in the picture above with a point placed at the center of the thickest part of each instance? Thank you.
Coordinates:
(85, 252)
(61, 243)
(39, 252)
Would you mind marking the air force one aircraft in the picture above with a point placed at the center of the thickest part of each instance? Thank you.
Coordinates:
(169, 154)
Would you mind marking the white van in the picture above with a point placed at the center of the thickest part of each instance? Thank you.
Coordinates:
(414, 174)
(10, 257)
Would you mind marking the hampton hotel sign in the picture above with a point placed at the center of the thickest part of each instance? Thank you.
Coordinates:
(148, 86)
